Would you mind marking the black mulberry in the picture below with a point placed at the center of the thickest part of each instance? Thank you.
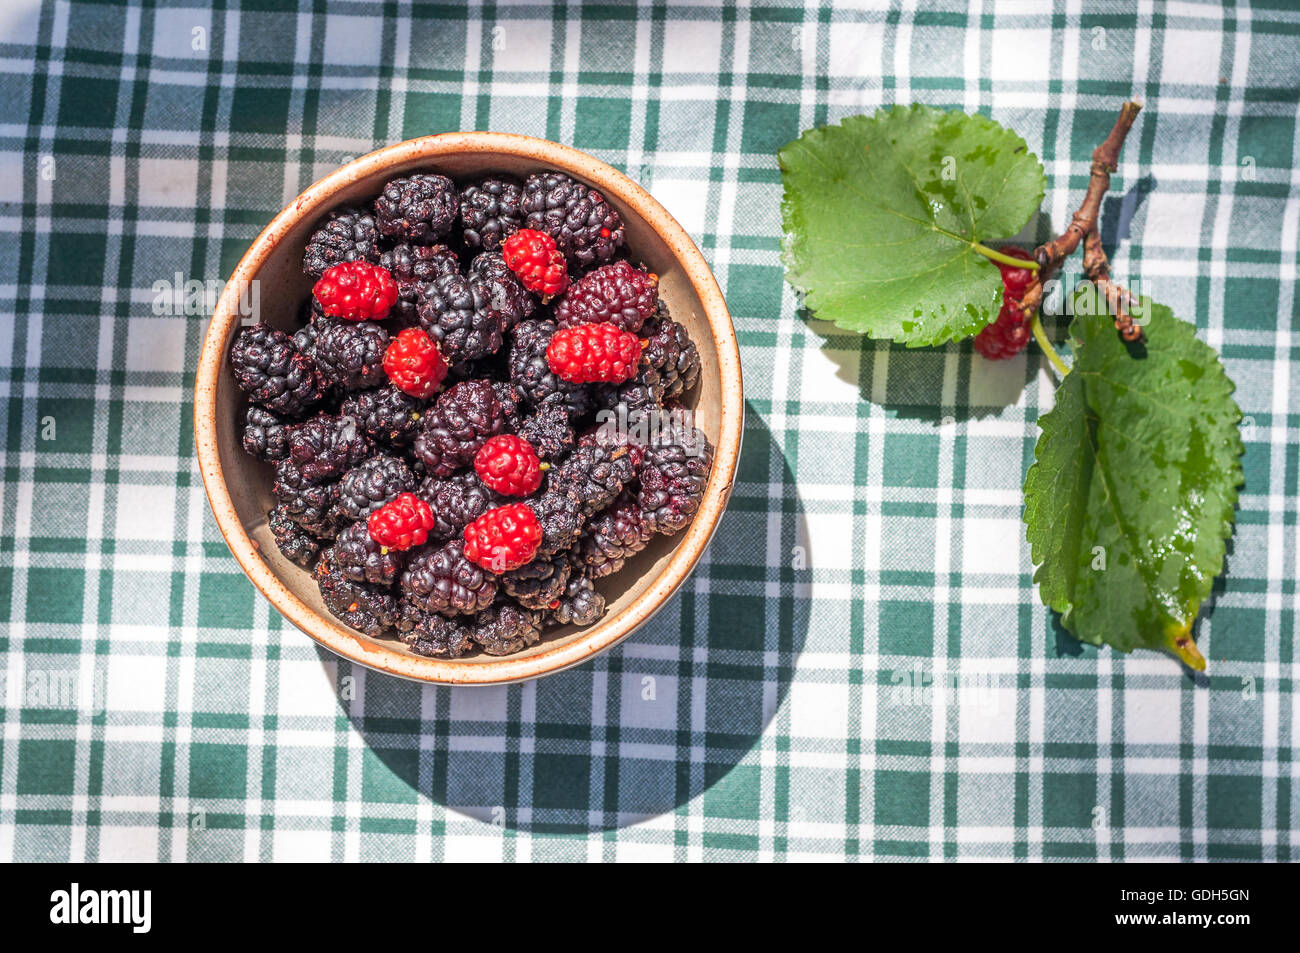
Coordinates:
(491, 211)
(304, 501)
(269, 368)
(616, 294)
(371, 484)
(346, 235)
(413, 267)
(645, 390)
(531, 374)
(548, 431)
(418, 208)
(265, 435)
(461, 421)
(611, 536)
(674, 474)
(434, 635)
(305, 336)
(456, 501)
(385, 413)
(670, 350)
(594, 475)
(455, 312)
(540, 583)
(583, 224)
(440, 579)
(502, 290)
(291, 539)
(326, 447)
(351, 353)
(561, 518)
(361, 559)
(506, 628)
(356, 604)
(581, 604)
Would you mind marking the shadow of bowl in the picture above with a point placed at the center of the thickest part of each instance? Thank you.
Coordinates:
(637, 732)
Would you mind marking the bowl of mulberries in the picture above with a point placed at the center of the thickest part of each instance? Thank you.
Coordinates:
(469, 409)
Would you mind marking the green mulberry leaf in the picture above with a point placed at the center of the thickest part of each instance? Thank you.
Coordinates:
(1129, 501)
(883, 216)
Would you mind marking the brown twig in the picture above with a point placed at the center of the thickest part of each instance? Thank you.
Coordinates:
(1105, 160)
(1083, 228)
(1118, 298)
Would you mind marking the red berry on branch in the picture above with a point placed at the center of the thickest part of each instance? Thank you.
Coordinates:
(504, 538)
(593, 352)
(509, 465)
(402, 522)
(414, 363)
(1006, 337)
(1015, 280)
(537, 260)
(356, 290)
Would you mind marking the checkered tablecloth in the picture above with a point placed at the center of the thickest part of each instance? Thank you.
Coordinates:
(859, 668)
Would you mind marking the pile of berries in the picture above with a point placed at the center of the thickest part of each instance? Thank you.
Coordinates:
(479, 417)
(1009, 334)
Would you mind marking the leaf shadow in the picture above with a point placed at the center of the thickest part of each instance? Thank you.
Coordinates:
(931, 384)
(1066, 644)
(1221, 580)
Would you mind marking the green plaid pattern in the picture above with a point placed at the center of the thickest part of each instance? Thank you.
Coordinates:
(859, 668)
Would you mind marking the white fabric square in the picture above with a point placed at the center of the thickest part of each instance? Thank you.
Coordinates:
(1174, 219)
(856, 49)
(171, 182)
(155, 344)
(1152, 717)
(308, 688)
(1014, 56)
(692, 46)
(987, 714)
(310, 847)
(11, 176)
(145, 512)
(20, 23)
(479, 704)
(991, 545)
(637, 852)
(182, 33)
(999, 384)
(522, 46)
(830, 379)
(819, 710)
(137, 682)
(353, 41)
(1190, 57)
(125, 845)
(467, 848)
(686, 200)
(830, 541)
(649, 701)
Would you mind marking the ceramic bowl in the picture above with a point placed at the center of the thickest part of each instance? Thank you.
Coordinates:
(239, 487)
